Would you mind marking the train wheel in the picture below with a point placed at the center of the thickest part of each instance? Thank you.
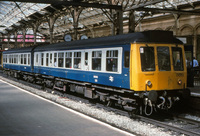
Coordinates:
(109, 103)
(133, 114)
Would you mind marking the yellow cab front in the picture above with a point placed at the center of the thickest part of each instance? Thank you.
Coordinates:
(157, 67)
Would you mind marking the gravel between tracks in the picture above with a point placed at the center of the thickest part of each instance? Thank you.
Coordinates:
(122, 122)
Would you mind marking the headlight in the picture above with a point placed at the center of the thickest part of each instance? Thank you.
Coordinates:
(179, 82)
(149, 84)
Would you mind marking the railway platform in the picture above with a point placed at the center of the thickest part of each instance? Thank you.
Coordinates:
(23, 113)
(195, 91)
(194, 102)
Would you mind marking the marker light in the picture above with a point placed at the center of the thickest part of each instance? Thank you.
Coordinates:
(179, 82)
(149, 84)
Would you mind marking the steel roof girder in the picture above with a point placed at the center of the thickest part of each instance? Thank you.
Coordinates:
(151, 2)
(173, 11)
(71, 3)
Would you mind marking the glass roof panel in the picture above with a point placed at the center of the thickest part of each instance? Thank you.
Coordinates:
(13, 12)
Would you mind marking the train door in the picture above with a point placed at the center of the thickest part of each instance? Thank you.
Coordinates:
(189, 64)
(37, 62)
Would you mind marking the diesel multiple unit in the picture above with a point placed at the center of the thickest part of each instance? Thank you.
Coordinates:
(139, 71)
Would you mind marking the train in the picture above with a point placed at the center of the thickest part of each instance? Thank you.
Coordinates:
(141, 72)
(1, 59)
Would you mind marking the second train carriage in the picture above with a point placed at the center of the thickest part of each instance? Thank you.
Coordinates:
(144, 69)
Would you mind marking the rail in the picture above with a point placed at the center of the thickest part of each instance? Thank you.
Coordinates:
(188, 130)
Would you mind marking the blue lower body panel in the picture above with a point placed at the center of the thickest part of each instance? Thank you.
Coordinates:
(107, 79)
(23, 68)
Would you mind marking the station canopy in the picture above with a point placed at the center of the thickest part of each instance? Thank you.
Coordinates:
(19, 13)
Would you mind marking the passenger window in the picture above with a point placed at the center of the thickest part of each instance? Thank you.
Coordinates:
(147, 58)
(42, 59)
(126, 59)
(55, 59)
(7, 59)
(36, 61)
(4, 58)
(77, 60)
(19, 59)
(29, 59)
(177, 58)
(96, 60)
(16, 59)
(86, 61)
(60, 59)
(112, 60)
(25, 58)
(163, 59)
(11, 58)
(22, 59)
(68, 60)
(50, 60)
(47, 59)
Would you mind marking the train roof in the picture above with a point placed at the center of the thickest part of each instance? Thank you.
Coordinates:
(138, 37)
(22, 50)
(19, 50)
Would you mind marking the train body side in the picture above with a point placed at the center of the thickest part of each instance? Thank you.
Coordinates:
(119, 79)
(1, 59)
(16, 62)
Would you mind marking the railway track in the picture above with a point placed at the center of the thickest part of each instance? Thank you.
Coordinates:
(178, 125)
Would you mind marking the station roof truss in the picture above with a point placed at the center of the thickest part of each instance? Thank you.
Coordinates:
(15, 14)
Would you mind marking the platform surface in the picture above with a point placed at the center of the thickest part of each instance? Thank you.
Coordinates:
(23, 114)
(195, 91)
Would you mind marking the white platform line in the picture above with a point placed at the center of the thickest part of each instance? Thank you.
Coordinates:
(195, 94)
